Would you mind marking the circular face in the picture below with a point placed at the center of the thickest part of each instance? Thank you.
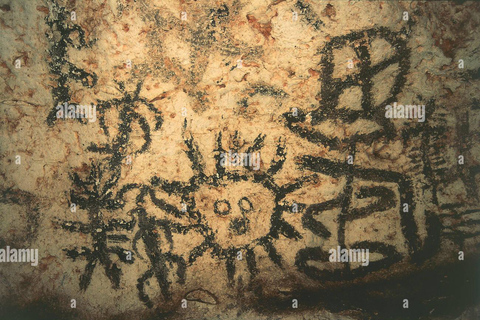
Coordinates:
(238, 212)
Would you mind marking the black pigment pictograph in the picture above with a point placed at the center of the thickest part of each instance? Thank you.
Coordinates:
(360, 79)
(63, 70)
(93, 194)
(237, 211)
(385, 199)
(232, 222)
(131, 109)
(161, 262)
(308, 15)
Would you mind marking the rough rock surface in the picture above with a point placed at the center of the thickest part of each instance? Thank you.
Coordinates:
(135, 217)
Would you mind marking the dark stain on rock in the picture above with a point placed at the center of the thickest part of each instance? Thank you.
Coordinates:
(32, 212)
(329, 11)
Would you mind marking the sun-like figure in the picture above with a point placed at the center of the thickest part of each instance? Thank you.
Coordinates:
(241, 209)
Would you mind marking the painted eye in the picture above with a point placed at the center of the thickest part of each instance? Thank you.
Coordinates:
(222, 207)
(245, 205)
